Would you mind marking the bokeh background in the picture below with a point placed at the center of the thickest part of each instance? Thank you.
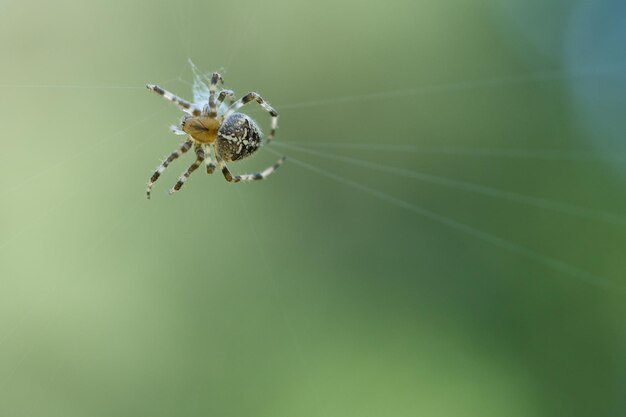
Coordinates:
(446, 239)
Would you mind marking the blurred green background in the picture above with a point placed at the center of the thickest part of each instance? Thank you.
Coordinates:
(487, 280)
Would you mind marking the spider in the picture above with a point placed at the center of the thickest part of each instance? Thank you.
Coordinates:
(210, 124)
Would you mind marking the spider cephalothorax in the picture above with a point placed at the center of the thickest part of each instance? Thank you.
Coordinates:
(211, 126)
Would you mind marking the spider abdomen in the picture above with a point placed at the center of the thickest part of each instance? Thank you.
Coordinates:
(238, 137)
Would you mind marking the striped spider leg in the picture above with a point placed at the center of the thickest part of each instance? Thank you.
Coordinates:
(200, 155)
(174, 155)
(182, 104)
(210, 163)
(256, 97)
(247, 177)
(230, 94)
(211, 108)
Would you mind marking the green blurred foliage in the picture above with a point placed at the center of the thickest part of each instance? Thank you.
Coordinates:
(301, 295)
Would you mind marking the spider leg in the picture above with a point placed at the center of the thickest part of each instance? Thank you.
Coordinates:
(255, 97)
(247, 177)
(223, 95)
(220, 106)
(183, 104)
(183, 148)
(199, 158)
(210, 163)
(215, 78)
